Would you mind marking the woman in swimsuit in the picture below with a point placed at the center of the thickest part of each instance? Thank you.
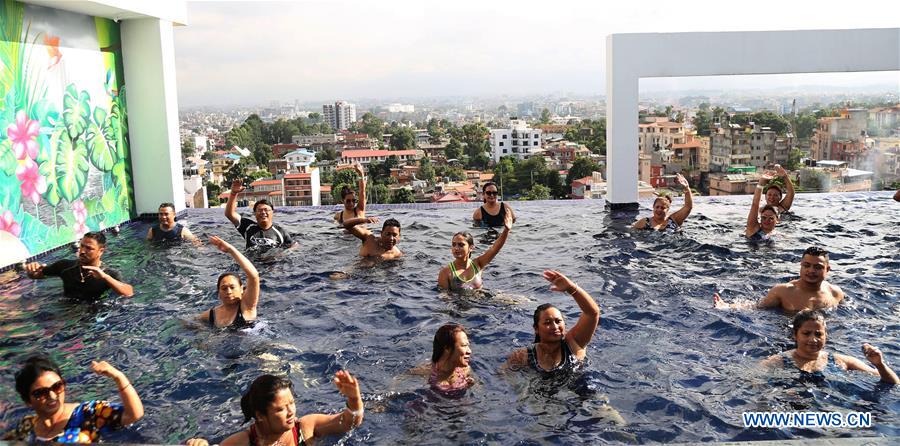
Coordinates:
(238, 307)
(463, 273)
(270, 403)
(813, 361)
(761, 223)
(556, 350)
(450, 371)
(661, 220)
(493, 212)
(41, 386)
(353, 208)
(774, 192)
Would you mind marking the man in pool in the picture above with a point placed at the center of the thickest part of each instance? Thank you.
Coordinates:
(85, 279)
(168, 229)
(810, 292)
(384, 246)
(262, 233)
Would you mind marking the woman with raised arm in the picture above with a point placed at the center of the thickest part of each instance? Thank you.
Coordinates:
(493, 212)
(761, 223)
(556, 351)
(661, 219)
(774, 193)
(815, 364)
(41, 386)
(270, 404)
(238, 303)
(463, 273)
(353, 207)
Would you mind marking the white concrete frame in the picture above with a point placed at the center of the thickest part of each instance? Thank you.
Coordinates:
(630, 57)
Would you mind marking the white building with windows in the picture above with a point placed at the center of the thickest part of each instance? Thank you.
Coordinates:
(519, 140)
(339, 115)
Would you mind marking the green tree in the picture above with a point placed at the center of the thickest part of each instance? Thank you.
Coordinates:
(793, 162)
(403, 195)
(554, 182)
(426, 170)
(402, 138)
(539, 192)
(187, 148)
(775, 122)
(804, 126)
(212, 193)
(259, 175)
(314, 117)
(327, 154)
(703, 122)
(370, 125)
(346, 176)
(453, 151)
(545, 116)
(378, 193)
(581, 167)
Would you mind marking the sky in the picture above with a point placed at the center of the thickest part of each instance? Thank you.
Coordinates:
(254, 52)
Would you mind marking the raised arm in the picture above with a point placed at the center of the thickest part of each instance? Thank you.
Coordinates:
(788, 199)
(587, 323)
(361, 205)
(357, 226)
(230, 207)
(131, 402)
(874, 356)
(772, 300)
(753, 216)
(483, 260)
(319, 425)
(682, 214)
(251, 291)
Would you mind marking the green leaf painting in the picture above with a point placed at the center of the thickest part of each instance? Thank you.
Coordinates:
(71, 168)
(76, 111)
(47, 167)
(103, 157)
(8, 161)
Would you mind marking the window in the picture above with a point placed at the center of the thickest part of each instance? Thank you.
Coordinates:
(504, 136)
(535, 143)
(501, 143)
(504, 150)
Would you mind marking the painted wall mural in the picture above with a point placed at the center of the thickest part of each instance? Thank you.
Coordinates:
(64, 157)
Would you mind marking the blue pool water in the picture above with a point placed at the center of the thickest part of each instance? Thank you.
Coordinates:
(674, 368)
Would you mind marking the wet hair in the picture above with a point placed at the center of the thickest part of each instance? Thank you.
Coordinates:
(34, 367)
(467, 236)
(167, 205)
(346, 190)
(445, 339)
(663, 197)
(391, 222)
(816, 251)
(806, 316)
(262, 202)
(224, 275)
(537, 315)
(261, 393)
(769, 207)
(776, 187)
(97, 237)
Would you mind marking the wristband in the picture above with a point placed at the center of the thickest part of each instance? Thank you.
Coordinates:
(759, 186)
(573, 290)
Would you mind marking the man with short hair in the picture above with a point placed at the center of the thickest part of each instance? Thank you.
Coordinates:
(85, 279)
(168, 229)
(810, 292)
(384, 246)
(261, 233)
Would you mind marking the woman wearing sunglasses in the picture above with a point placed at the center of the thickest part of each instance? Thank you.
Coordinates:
(493, 213)
(41, 386)
(761, 223)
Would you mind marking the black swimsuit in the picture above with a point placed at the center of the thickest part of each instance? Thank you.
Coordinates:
(239, 321)
(493, 220)
(569, 360)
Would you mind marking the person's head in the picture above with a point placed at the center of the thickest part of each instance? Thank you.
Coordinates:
(549, 325)
(263, 210)
(348, 196)
(773, 195)
(768, 218)
(270, 401)
(40, 385)
(91, 247)
(809, 331)
(661, 206)
(489, 192)
(461, 245)
(451, 344)
(814, 265)
(230, 288)
(390, 233)
(167, 215)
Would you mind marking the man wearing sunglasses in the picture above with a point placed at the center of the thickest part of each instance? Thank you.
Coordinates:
(85, 279)
(262, 233)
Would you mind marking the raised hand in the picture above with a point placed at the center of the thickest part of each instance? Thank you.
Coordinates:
(222, 245)
(558, 281)
(508, 220)
(719, 303)
(105, 369)
(93, 271)
(780, 171)
(237, 186)
(34, 269)
(682, 181)
(346, 384)
(371, 219)
(873, 354)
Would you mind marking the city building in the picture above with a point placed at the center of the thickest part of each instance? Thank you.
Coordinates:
(834, 176)
(732, 184)
(519, 140)
(303, 189)
(280, 150)
(271, 190)
(841, 138)
(317, 139)
(365, 157)
(300, 160)
(750, 145)
(339, 115)
(562, 154)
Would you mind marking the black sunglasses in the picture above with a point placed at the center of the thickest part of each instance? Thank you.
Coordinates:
(491, 192)
(42, 393)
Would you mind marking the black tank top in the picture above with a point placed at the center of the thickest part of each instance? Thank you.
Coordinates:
(493, 220)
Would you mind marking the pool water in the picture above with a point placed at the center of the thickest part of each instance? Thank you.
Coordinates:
(673, 367)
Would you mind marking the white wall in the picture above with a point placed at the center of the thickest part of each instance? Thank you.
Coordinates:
(630, 57)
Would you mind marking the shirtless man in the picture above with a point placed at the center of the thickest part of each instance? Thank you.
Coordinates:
(810, 292)
(383, 246)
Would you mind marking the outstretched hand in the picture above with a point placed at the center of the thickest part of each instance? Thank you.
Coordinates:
(558, 281)
(237, 186)
(780, 171)
(873, 354)
(222, 245)
(346, 384)
(682, 181)
(105, 369)
(719, 303)
(508, 221)
(371, 219)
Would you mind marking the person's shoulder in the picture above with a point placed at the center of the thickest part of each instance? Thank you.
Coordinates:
(241, 438)
(836, 291)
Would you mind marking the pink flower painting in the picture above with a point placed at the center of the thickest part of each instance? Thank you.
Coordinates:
(23, 134)
(33, 184)
(8, 224)
(79, 210)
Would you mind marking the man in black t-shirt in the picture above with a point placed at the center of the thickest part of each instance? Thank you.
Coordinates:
(86, 278)
(261, 233)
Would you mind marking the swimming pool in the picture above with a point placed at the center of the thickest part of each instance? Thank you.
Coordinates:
(676, 369)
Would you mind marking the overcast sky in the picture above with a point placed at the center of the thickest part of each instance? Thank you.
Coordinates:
(255, 52)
